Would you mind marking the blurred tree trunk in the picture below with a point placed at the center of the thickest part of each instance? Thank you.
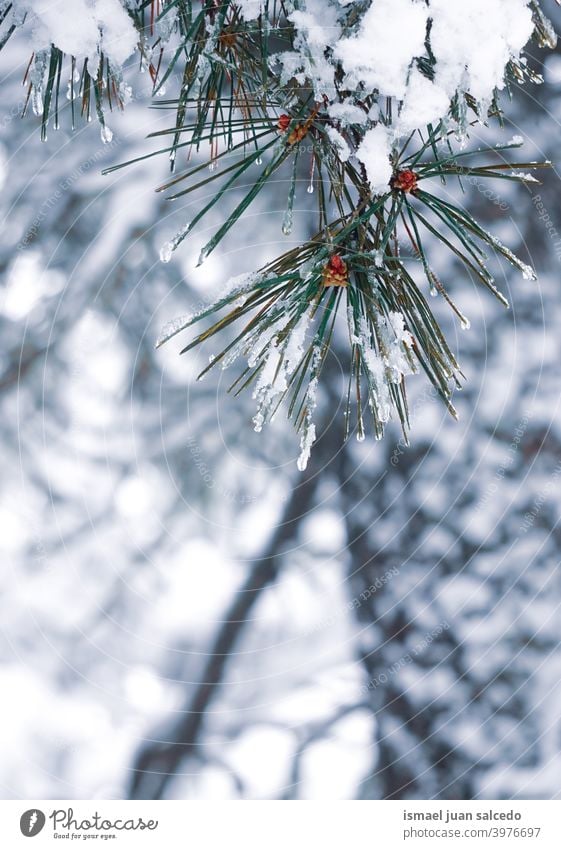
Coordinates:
(414, 757)
(158, 762)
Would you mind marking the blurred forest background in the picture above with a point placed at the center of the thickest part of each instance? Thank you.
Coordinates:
(183, 613)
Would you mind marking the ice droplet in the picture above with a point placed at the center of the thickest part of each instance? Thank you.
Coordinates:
(203, 255)
(302, 462)
(106, 134)
(310, 189)
(37, 101)
(433, 291)
(465, 323)
(528, 272)
(259, 161)
(360, 437)
(166, 252)
(287, 223)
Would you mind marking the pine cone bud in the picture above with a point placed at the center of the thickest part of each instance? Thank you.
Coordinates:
(335, 272)
(405, 181)
(298, 133)
(283, 123)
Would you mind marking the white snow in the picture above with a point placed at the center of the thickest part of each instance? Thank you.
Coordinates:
(374, 152)
(250, 9)
(473, 48)
(339, 143)
(424, 103)
(92, 26)
(376, 50)
(392, 32)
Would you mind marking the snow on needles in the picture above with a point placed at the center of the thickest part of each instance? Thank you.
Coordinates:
(471, 43)
(93, 26)
(421, 55)
(391, 34)
(344, 51)
(374, 153)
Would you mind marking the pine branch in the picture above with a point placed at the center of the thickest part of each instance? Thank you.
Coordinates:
(263, 98)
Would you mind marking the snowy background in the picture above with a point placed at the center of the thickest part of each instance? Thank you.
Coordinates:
(183, 613)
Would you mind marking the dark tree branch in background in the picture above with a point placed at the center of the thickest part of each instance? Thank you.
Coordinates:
(427, 766)
(318, 732)
(158, 762)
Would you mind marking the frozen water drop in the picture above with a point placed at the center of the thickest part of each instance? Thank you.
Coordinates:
(166, 252)
(465, 323)
(360, 437)
(259, 161)
(310, 189)
(37, 102)
(202, 256)
(302, 462)
(106, 134)
(287, 223)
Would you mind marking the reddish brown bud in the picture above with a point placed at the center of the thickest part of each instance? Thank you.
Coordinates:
(335, 272)
(405, 181)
